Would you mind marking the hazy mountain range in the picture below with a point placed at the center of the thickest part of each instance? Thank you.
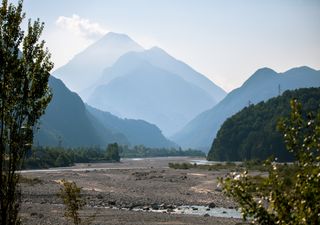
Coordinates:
(262, 85)
(158, 94)
(137, 132)
(151, 93)
(86, 67)
(116, 75)
(69, 123)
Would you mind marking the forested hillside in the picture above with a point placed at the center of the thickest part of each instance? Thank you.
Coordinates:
(252, 133)
(264, 84)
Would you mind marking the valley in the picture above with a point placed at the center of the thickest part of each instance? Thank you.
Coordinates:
(159, 113)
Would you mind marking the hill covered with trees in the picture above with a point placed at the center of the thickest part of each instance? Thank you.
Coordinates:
(264, 84)
(252, 132)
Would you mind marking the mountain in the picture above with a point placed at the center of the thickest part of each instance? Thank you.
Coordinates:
(153, 86)
(252, 133)
(67, 122)
(152, 94)
(262, 85)
(86, 67)
(70, 123)
(161, 59)
(138, 132)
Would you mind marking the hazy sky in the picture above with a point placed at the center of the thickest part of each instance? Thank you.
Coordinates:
(225, 40)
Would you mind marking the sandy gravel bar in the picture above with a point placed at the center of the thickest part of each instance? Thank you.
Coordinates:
(113, 191)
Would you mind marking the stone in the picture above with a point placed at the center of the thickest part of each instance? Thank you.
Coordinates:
(212, 205)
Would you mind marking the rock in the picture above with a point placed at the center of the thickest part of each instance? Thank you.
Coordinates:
(212, 205)
(112, 202)
(206, 215)
(194, 208)
(169, 207)
(100, 196)
(218, 189)
(170, 210)
(155, 206)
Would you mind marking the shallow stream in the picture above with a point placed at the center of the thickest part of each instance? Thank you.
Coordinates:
(196, 210)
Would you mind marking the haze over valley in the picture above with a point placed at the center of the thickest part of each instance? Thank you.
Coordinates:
(169, 102)
(159, 112)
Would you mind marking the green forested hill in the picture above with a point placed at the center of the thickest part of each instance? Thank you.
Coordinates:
(252, 134)
(261, 86)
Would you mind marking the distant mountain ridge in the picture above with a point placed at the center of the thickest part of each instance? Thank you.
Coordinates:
(116, 58)
(153, 94)
(160, 59)
(86, 67)
(262, 85)
(137, 132)
(153, 86)
(68, 122)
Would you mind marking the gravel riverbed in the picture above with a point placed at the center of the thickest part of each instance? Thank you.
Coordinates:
(135, 191)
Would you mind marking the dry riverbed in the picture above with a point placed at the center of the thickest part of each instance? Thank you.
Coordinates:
(142, 191)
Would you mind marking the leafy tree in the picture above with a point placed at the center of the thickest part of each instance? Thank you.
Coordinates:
(62, 160)
(70, 194)
(272, 202)
(113, 152)
(24, 95)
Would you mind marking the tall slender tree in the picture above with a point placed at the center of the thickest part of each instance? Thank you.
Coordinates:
(24, 95)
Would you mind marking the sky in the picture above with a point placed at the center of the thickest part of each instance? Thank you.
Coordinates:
(226, 40)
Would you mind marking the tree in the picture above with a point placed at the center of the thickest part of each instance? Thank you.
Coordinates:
(24, 95)
(273, 202)
(113, 152)
(70, 194)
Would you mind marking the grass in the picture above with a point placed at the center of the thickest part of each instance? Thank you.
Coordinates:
(249, 165)
(30, 181)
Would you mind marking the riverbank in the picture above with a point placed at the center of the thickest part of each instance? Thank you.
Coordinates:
(128, 192)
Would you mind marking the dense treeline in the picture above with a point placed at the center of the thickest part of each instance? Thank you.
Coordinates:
(46, 157)
(142, 152)
(252, 132)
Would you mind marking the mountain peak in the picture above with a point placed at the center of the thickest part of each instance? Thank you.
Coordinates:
(158, 51)
(85, 68)
(119, 38)
(156, 48)
(261, 75)
(264, 70)
(303, 69)
(113, 35)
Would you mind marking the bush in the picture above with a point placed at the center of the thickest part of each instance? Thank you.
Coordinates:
(273, 202)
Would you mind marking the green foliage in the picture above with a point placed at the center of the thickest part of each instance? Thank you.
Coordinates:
(24, 95)
(182, 166)
(285, 198)
(141, 151)
(251, 133)
(70, 194)
(57, 157)
(46, 157)
(113, 152)
(249, 165)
